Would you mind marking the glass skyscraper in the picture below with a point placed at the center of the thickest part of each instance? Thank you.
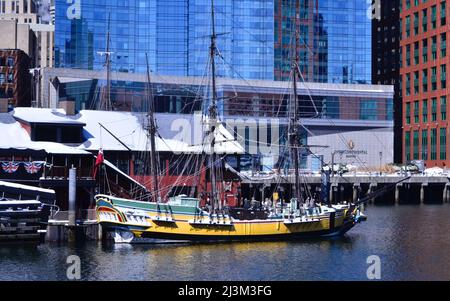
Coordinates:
(175, 34)
(254, 42)
(81, 29)
(335, 40)
(245, 39)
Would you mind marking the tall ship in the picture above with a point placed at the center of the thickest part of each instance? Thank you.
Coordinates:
(186, 218)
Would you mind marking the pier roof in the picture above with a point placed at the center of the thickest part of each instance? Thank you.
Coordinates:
(14, 136)
(177, 133)
(45, 116)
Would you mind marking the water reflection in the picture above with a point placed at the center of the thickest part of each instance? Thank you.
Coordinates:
(412, 242)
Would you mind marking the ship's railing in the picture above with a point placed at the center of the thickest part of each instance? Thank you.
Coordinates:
(59, 215)
(83, 215)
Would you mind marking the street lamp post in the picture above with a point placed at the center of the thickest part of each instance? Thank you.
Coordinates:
(381, 159)
(332, 163)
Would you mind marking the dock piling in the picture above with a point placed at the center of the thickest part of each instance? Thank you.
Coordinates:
(355, 192)
(422, 192)
(72, 202)
(332, 193)
(444, 194)
(397, 193)
(372, 188)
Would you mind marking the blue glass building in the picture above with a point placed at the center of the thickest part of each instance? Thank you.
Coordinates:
(255, 37)
(335, 40)
(245, 39)
(81, 30)
(175, 34)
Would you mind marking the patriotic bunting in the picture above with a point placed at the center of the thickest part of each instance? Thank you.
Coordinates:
(30, 167)
(10, 167)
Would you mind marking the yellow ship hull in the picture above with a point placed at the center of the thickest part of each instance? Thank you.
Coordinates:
(146, 223)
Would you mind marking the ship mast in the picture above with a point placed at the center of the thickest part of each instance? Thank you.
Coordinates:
(152, 134)
(294, 134)
(215, 202)
(106, 99)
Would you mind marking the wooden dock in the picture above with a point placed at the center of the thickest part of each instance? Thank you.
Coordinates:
(417, 189)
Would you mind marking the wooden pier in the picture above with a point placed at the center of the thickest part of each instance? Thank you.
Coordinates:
(418, 189)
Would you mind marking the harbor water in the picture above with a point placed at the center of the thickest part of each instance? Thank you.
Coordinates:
(411, 241)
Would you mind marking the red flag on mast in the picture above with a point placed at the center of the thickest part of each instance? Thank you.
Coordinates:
(98, 162)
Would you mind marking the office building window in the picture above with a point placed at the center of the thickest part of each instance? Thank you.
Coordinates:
(443, 44)
(424, 20)
(433, 79)
(408, 26)
(424, 50)
(416, 111)
(434, 48)
(416, 23)
(416, 82)
(443, 143)
(424, 144)
(443, 13)
(408, 146)
(433, 145)
(416, 145)
(408, 55)
(434, 109)
(425, 80)
(416, 53)
(400, 55)
(424, 110)
(368, 109)
(433, 17)
(443, 108)
(408, 113)
(10, 62)
(443, 76)
(408, 84)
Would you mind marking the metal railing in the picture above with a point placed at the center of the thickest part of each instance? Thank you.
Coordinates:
(82, 214)
(62, 172)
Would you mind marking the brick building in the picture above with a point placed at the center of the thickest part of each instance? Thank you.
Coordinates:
(15, 80)
(424, 28)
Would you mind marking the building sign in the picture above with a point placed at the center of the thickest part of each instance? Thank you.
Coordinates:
(351, 144)
(351, 152)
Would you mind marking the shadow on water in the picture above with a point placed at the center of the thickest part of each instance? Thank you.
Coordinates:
(344, 241)
(411, 241)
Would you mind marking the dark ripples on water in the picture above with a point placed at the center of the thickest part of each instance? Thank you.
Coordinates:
(413, 243)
